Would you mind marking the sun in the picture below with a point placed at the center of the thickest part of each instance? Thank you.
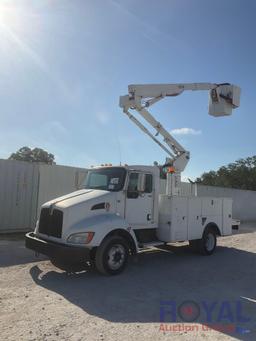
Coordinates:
(9, 15)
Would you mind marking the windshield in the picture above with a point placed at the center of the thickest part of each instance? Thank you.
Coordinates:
(108, 179)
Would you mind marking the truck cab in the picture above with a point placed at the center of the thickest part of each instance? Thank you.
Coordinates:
(114, 201)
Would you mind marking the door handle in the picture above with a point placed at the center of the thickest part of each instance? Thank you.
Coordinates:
(148, 216)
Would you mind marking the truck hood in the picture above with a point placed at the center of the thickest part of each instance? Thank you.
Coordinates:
(80, 205)
(79, 197)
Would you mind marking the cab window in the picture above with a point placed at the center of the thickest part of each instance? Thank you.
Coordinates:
(132, 190)
(108, 179)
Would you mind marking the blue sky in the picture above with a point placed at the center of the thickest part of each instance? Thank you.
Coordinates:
(64, 64)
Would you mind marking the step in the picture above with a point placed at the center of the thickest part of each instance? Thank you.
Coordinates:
(149, 245)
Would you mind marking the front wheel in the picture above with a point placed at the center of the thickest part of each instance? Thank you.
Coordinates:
(112, 256)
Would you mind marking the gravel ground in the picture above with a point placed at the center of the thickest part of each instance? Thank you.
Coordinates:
(40, 302)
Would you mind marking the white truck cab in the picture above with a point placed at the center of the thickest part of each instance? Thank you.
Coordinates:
(122, 210)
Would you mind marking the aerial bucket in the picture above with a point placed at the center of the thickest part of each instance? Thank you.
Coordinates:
(223, 99)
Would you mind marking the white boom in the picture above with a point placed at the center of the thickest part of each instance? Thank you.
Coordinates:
(222, 99)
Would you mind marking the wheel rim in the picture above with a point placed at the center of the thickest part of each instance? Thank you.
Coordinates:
(210, 242)
(116, 256)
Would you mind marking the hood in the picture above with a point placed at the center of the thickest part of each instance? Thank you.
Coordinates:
(78, 206)
(78, 197)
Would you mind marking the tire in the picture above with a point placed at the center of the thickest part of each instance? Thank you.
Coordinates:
(206, 245)
(112, 255)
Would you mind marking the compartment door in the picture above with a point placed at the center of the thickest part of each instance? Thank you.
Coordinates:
(195, 226)
(227, 217)
(179, 222)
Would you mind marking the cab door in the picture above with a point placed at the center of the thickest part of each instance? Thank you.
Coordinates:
(139, 205)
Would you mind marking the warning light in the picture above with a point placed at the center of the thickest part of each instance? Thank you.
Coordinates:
(171, 170)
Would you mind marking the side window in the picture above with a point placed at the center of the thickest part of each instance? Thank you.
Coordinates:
(148, 183)
(132, 191)
(133, 182)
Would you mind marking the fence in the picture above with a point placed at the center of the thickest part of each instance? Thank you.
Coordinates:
(25, 186)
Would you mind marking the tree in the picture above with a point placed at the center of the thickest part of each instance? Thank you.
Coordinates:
(240, 174)
(33, 155)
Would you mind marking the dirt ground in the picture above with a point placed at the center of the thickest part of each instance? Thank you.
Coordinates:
(40, 302)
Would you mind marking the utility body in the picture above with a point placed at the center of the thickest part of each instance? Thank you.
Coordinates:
(122, 210)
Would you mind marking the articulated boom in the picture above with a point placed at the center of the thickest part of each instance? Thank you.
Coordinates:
(223, 98)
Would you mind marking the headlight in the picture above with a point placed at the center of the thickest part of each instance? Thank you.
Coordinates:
(80, 238)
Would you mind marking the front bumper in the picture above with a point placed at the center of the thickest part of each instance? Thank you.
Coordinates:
(65, 253)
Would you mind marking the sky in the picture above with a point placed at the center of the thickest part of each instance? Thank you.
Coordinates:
(64, 64)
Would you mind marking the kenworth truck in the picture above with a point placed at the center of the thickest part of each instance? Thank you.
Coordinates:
(122, 210)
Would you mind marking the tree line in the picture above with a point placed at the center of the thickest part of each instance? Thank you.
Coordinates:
(240, 174)
(33, 155)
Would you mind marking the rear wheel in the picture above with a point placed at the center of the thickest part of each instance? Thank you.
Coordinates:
(210, 241)
(207, 244)
(111, 256)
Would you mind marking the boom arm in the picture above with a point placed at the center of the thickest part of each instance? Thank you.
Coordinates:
(223, 98)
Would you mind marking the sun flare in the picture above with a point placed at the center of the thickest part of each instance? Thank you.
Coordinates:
(9, 15)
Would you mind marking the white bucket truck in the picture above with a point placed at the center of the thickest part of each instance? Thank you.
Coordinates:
(122, 210)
